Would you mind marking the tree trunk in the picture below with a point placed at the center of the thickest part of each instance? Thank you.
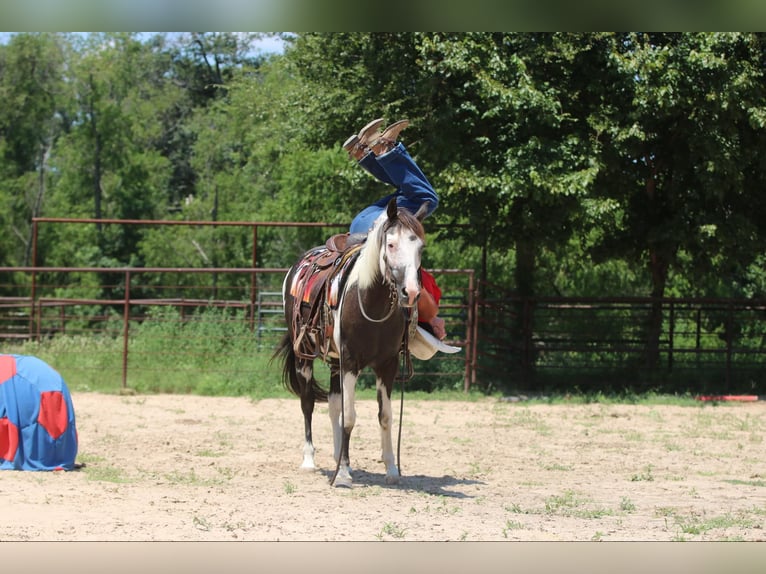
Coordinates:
(658, 264)
(524, 275)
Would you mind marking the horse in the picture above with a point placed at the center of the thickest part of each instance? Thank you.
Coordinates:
(357, 318)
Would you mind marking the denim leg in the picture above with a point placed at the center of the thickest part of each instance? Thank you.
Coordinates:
(370, 163)
(413, 187)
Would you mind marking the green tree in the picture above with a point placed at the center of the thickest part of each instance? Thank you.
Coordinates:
(33, 116)
(680, 133)
(111, 163)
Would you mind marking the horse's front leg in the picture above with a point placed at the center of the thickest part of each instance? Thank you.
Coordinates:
(384, 384)
(341, 429)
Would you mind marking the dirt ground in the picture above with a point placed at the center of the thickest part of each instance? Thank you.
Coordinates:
(186, 468)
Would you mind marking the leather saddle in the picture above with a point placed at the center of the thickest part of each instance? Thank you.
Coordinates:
(316, 288)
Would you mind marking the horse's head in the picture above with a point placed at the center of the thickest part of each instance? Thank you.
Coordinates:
(402, 241)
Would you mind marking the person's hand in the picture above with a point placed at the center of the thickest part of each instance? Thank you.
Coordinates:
(437, 324)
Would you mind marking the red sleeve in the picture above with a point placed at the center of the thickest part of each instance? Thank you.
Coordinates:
(429, 284)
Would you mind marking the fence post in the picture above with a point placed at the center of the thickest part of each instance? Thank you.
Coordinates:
(470, 349)
(729, 343)
(253, 279)
(671, 320)
(125, 328)
(33, 286)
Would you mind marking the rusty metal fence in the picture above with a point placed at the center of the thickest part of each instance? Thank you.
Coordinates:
(251, 319)
(114, 304)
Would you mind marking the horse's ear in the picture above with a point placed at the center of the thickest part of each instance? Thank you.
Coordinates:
(391, 209)
(422, 211)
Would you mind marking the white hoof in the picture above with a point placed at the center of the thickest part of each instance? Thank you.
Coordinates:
(392, 479)
(343, 478)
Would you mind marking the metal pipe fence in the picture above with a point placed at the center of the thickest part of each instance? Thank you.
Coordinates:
(586, 344)
(128, 306)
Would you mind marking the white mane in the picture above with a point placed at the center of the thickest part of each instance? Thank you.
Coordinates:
(367, 267)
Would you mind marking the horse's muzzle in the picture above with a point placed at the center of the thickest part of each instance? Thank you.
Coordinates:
(409, 296)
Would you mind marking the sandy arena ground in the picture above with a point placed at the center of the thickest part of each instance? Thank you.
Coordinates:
(187, 468)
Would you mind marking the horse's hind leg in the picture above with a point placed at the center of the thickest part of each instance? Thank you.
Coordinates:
(305, 372)
(384, 385)
(341, 429)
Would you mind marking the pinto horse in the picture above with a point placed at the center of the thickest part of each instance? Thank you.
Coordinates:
(376, 287)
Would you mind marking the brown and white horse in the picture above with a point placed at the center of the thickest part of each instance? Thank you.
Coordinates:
(365, 328)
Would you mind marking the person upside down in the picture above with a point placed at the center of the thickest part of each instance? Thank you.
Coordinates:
(379, 153)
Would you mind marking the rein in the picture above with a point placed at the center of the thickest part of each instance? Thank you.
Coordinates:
(364, 313)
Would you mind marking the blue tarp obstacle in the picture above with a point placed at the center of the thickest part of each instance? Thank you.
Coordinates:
(37, 419)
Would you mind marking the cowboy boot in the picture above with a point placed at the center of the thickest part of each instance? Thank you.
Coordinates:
(355, 148)
(387, 139)
(369, 132)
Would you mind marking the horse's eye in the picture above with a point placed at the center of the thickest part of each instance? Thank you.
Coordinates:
(391, 246)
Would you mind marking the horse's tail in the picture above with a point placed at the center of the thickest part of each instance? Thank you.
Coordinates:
(290, 378)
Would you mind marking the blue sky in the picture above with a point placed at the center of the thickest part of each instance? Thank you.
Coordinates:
(269, 45)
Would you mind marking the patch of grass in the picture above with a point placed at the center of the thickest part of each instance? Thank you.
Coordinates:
(209, 453)
(201, 523)
(557, 466)
(391, 529)
(746, 482)
(645, 475)
(289, 487)
(526, 418)
(515, 508)
(443, 507)
(477, 470)
(665, 511)
(570, 504)
(633, 436)
(512, 525)
(626, 505)
(105, 473)
(87, 458)
(697, 526)
(191, 479)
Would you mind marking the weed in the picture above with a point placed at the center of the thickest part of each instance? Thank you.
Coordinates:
(391, 529)
(189, 478)
(747, 482)
(569, 504)
(476, 470)
(512, 525)
(289, 487)
(209, 453)
(515, 508)
(646, 475)
(626, 505)
(105, 474)
(201, 523)
(633, 436)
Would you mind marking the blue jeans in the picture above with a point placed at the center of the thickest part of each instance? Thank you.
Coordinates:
(396, 168)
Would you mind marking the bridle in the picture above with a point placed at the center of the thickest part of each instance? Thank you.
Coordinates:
(393, 294)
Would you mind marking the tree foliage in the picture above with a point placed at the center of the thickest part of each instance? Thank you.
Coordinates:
(623, 163)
